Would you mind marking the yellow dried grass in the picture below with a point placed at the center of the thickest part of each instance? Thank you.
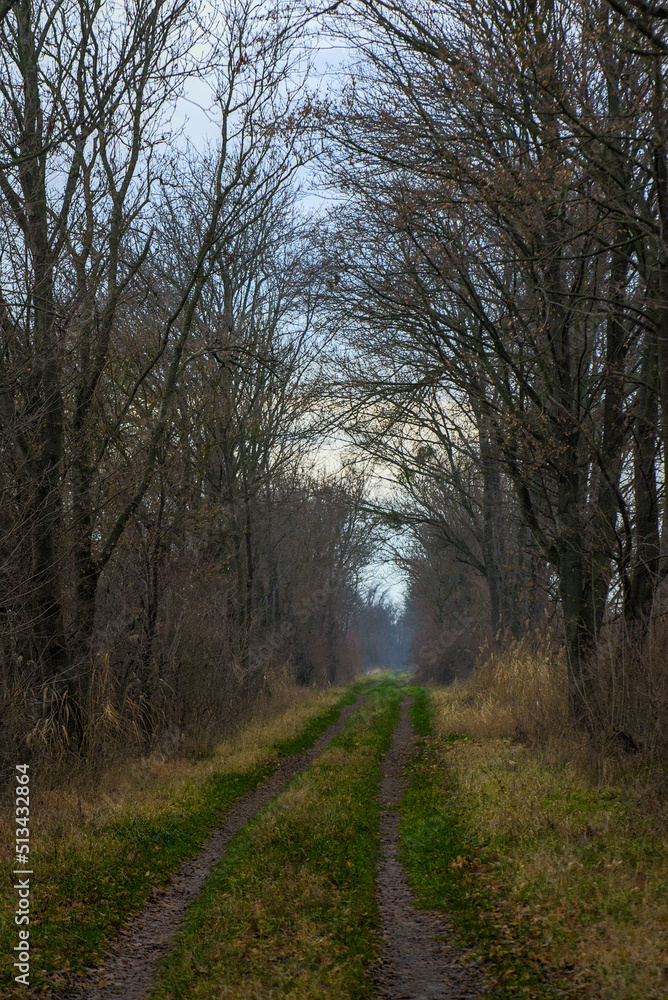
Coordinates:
(151, 785)
(519, 690)
(582, 834)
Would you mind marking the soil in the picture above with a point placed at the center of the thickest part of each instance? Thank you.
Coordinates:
(420, 960)
(128, 970)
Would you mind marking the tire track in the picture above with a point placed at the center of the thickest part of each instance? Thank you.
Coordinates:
(419, 962)
(128, 970)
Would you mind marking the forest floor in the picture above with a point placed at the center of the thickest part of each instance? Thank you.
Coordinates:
(353, 848)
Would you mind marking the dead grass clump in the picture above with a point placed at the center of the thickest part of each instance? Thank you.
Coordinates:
(627, 686)
(520, 690)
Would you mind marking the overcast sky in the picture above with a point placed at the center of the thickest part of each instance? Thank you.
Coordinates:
(195, 117)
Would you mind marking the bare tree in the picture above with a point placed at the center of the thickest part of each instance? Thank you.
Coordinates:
(476, 233)
(87, 97)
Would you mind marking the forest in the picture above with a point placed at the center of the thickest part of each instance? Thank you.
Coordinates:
(334, 386)
(472, 319)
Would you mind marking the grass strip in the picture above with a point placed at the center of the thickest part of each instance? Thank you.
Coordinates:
(314, 728)
(290, 911)
(84, 890)
(450, 869)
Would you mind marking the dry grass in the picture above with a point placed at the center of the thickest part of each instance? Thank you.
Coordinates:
(578, 835)
(98, 850)
(521, 690)
(298, 952)
(157, 784)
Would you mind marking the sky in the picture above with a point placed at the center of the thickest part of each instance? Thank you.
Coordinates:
(195, 121)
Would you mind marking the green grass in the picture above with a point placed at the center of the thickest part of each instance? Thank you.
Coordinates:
(544, 876)
(291, 909)
(84, 891)
(450, 869)
(315, 727)
(420, 710)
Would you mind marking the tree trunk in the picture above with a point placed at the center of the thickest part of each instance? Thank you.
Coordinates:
(579, 632)
(491, 499)
(661, 171)
(645, 569)
(47, 402)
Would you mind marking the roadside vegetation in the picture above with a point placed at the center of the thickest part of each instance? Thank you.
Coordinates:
(550, 851)
(546, 851)
(99, 848)
(291, 909)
